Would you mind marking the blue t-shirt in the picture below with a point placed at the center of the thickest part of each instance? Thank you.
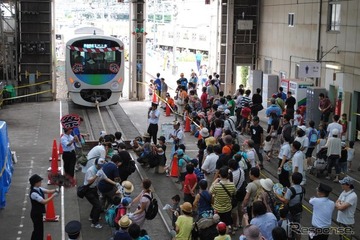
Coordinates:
(112, 172)
(122, 235)
(266, 223)
(158, 84)
(273, 108)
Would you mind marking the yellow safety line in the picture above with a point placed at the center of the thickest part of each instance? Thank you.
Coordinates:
(22, 96)
(23, 86)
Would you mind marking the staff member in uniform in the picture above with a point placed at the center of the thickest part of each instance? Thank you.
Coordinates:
(38, 202)
(323, 208)
(73, 229)
(69, 155)
(153, 116)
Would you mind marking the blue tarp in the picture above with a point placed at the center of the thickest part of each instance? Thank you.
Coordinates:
(6, 164)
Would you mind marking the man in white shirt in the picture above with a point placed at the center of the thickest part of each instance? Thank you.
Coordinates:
(346, 204)
(153, 118)
(323, 208)
(178, 138)
(298, 161)
(334, 125)
(209, 165)
(99, 151)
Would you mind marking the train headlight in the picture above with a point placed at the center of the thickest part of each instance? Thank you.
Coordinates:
(77, 84)
(114, 85)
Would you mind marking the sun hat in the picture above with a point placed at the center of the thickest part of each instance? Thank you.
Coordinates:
(186, 207)
(128, 187)
(124, 221)
(204, 132)
(267, 184)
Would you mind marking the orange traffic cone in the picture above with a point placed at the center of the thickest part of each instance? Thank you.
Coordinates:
(155, 98)
(50, 212)
(174, 167)
(60, 149)
(187, 124)
(54, 158)
(48, 237)
(167, 110)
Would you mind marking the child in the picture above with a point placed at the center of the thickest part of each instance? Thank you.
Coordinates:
(344, 123)
(199, 174)
(267, 147)
(190, 184)
(284, 222)
(321, 141)
(175, 209)
(218, 128)
(321, 130)
(221, 227)
(150, 90)
(297, 119)
(350, 154)
(203, 201)
(245, 113)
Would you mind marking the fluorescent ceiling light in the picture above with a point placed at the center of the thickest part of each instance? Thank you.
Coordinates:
(332, 66)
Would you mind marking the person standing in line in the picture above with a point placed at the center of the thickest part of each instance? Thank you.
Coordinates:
(333, 153)
(335, 125)
(69, 155)
(346, 205)
(73, 229)
(38, 202)
(257, 102)
(298, 161)
(284, 156)
(323, 208)
(257, 135)
(153, 117)
(164, 90)
(178, 138)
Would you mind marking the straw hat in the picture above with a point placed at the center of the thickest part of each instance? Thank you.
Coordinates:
(128, 187)
(186, 207)
(124, 221)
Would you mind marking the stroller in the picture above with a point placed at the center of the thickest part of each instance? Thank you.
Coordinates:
(320, 164)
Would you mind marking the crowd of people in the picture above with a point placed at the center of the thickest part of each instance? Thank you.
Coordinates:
(221, 185)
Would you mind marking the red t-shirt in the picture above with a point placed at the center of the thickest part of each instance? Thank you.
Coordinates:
(245, 112)
(204, 100)
(190, 180)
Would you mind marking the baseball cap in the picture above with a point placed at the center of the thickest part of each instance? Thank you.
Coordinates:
(227, 112)
(221, 226)
(335, 131)
(347, 180)
(302, 127)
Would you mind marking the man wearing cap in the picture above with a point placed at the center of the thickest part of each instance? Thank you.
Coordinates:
(323, 208)
(69, 155)
(153, 118)
(335, 125)
(333, 145)
(122, 233)
(346, 205)
(38, 202)
(230, 121)
(73, 229)
(91, 180)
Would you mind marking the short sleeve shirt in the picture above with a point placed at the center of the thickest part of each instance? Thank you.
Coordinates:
(111, 171)
(322, 212)
(347, 216)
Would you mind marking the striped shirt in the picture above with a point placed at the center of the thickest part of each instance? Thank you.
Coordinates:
(222, 200)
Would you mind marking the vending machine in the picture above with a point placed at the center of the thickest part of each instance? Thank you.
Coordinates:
(312, 104)
(255, 80)
(270, 86)
(285, 84)
(299, 91)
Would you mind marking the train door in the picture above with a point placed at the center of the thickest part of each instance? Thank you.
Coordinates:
(355, 117)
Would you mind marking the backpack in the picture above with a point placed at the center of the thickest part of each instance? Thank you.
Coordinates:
(297, 208)
(313, 137)
(110, 215)
(258, 193)
(121, 211)
(131, 167)
(286, 225)
(152, 210)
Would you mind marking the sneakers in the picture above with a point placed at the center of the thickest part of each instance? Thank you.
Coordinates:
(90, 219)
(328, 178)
(98, 226)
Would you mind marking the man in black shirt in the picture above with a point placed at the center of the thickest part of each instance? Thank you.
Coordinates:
(286, 127)
(257, 135)
(290, 105)
(257, 102)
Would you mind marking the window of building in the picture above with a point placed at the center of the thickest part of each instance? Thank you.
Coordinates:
(194, 36)
(334, 16)
(291, 19)
(267, 66)
(297, 69)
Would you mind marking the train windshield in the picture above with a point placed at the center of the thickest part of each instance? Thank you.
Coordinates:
(95, 56)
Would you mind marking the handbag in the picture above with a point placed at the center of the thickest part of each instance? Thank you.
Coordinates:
(234, 201)
(82, 190)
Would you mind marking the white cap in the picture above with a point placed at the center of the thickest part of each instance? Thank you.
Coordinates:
(227, 111)
(335, 132)
(302, 127)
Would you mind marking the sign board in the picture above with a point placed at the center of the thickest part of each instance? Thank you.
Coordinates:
(309, 69)
(245, 24)
(166, 130)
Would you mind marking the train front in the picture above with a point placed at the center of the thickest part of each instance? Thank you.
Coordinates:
(95, 70)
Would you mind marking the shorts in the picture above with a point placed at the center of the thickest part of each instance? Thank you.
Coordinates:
(309, 152)
(226, 218)
(325, 116)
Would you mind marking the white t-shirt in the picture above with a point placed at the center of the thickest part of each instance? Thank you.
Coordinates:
(304, 141)
(351, 153)
(322, 211)
(209, 164)
(297, 119)
(347, 216)
(96, 152)
(298, 161)
(285, 150)
(321, 143)
(332, 126)
(251, 157)
(268, 145)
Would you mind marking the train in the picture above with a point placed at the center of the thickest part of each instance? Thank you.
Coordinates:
(94, 70)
